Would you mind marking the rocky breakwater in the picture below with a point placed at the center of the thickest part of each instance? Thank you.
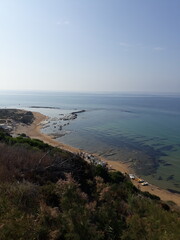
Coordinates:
(72, 115)
(56, 124)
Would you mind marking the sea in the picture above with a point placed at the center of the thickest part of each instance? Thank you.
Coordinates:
(142, 130)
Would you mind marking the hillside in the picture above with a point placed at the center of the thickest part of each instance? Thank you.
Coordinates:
(49, 193)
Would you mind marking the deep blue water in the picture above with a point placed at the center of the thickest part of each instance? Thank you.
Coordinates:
(141, 129)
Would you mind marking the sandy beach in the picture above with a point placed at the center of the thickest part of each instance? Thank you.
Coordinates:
(34, 131)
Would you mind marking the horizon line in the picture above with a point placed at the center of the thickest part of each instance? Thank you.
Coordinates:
(92, 92)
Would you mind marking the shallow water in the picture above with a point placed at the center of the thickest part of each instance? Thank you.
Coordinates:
(142, 130)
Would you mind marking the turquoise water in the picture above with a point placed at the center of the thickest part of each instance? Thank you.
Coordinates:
(139, 129)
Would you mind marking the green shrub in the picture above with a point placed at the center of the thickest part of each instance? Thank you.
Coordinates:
(151, 196)
(116, 177)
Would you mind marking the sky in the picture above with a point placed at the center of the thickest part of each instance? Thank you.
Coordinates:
(90, 45)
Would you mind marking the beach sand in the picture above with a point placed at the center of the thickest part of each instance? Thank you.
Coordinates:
(34, 131)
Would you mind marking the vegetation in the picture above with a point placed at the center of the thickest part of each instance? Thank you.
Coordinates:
(48, 193)
(17, 115)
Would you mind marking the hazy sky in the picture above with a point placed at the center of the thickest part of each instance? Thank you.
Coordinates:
(90, 45)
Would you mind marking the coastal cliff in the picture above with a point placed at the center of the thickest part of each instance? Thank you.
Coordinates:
(50, 193)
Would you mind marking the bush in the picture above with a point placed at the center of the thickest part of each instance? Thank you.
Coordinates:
(116, 177)
(101, 172)
(39, 200)
(151, 196)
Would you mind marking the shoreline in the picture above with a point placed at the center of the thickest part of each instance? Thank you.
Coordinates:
(34, 131)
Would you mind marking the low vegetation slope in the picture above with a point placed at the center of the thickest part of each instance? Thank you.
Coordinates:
(48, 193)
(16, 115)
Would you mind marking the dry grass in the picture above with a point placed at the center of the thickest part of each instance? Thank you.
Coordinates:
(15, 160)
